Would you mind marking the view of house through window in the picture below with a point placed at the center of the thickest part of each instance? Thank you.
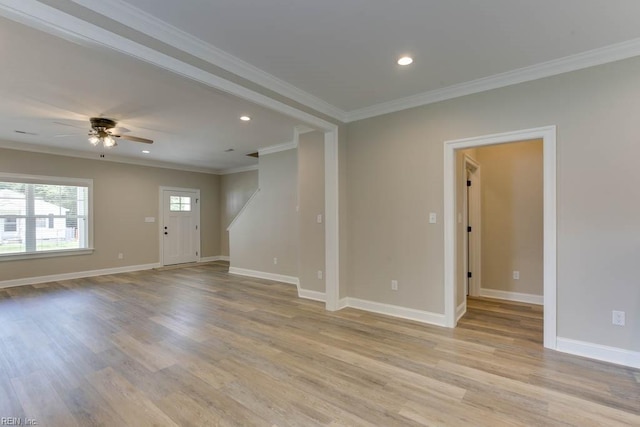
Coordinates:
(36, 217)
(177, 203)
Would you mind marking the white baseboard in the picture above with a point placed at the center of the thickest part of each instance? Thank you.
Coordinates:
(604, 353)
(512, 296)
(215, 258)
(461, 310)
(264, 275)
(397, 311)
(302, 293)
(75, 275)
(343, 303)
(312, 295)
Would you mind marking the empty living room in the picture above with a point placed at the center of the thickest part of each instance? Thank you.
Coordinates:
(319, 213)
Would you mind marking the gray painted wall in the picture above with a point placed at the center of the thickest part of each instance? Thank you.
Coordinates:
(395, 178)
(235, 190)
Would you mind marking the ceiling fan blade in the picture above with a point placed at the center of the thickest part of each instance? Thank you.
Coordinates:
(70, 125)
(119, 130)
(67, 134)
(134, 138)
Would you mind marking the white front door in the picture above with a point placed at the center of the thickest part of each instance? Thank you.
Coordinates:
(180, 226)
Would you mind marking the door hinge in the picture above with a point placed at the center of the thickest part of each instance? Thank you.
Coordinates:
(469, 275)
(197, 200)
(469, 229)
(196, 227)
(196, 253)
(468, 183)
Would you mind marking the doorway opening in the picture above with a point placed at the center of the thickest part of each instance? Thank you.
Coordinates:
(453, 286)
(179, 225)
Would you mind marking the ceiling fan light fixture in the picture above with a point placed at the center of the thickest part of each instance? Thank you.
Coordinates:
(94, 140)
(108, 141)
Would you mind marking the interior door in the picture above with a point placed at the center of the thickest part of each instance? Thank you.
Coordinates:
(180, 228)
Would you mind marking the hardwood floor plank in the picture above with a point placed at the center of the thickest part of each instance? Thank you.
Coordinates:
(127, 401)
(193, 345)
(41, 401)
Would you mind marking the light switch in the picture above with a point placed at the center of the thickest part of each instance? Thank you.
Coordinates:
(319, 219)
(433, 218)
(149, 219)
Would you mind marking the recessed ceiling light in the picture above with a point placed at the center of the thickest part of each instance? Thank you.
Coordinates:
(405, 60)
(146, 151)
(245, 118)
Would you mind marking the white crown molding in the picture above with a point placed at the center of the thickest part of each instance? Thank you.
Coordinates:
(277, 148)
(238, 170)
(512, 296)
(33, 13)
(590, 58)
(142, 21)
(604, 353)
(34, 148)
(75, 275)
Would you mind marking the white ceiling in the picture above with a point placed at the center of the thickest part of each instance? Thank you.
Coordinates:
(337, 57)
(344, 52)
(45, 81)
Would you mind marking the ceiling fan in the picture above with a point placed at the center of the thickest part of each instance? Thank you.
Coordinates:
(103, 131)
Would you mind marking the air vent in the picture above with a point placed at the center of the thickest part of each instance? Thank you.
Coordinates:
(229, 150)
(23, 132)
(256, 155)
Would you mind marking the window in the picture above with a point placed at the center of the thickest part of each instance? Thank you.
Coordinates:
(43, 216)
(10, 225)
(179, 203)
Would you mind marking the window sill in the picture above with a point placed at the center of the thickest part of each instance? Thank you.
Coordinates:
(45, 254)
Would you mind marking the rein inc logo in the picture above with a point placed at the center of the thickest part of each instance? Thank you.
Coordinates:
(18, 421)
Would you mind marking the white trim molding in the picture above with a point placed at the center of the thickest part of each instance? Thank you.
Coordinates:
(264, 275)
(238, 170)
(512, 296)
(58, 23)
(548, 136)
(312, 295)
(604, 353)
(291, 280)
(461, 310)
(75, 275)
(214, 258)
(590, 58)
(150, 25)
(397, 311)
(277, 148)
(244, 208)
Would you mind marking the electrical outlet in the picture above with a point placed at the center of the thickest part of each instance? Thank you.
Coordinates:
(320, 274)
(617, 318)
(433, 218)
(516, 275)
(275, 260)
(394, 285)
(319, 219)
(120, 256)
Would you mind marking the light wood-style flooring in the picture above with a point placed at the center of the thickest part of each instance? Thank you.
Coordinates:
(196, 346)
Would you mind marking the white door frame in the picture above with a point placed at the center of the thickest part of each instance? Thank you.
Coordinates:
(548, 136)
(473, 214)
(161, 219)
